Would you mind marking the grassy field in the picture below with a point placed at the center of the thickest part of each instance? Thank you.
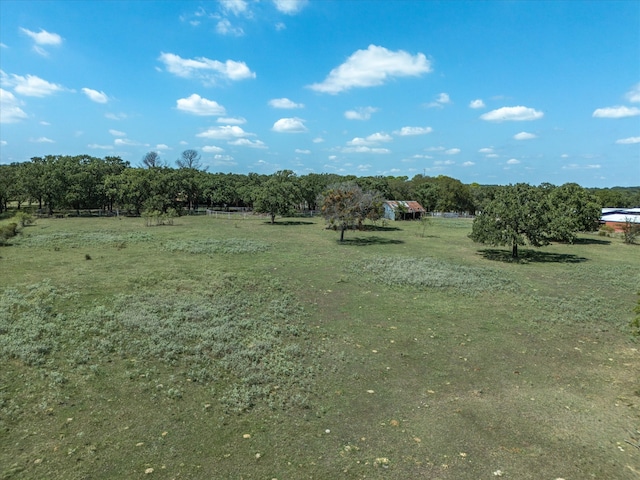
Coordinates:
(235, 349)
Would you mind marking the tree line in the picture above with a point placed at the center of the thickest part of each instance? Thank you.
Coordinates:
(83, 182)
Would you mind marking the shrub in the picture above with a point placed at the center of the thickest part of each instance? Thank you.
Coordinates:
(157, 218)
(606, 231)
(24, 219)
(7, 232)
(635, 323)
(630, 232)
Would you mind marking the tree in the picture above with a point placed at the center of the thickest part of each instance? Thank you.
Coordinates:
(345, 205)
(151, 160)
(189, 159)
(278, 195)
(574, 210)
(518, 214)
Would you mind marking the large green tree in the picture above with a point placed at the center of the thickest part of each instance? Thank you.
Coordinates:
(518, 214)
(573, 210)
(278, 195)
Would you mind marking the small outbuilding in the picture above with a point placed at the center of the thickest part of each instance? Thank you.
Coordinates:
(403, 210)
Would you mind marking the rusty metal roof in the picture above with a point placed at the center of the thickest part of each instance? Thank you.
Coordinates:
(410, 205)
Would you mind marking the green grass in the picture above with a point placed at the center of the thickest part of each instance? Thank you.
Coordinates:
(218, 348)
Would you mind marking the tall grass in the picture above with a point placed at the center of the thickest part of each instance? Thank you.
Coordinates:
(429, 272)
(81, 239)
(214, 246)
(248, 341)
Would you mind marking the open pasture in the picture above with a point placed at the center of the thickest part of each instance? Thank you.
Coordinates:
(235, 349)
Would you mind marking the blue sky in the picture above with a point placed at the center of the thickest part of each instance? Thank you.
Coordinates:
(493, 92)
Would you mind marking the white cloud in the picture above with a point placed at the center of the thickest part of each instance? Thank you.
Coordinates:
(468, 164)
(452, 151)
(224, 160)
(42, 140)
(575, 166)
(513, 161)
(441, 101)
(379, 137)
(226, 132)
(318, 140)
(236, 7)
(616, 112)
(284, 103)
(224, 27)
(289, 125)
(628, 141)
(115, 116)
(95, 96)
(444, 162)
(122, 142)
(633, 95)
(486, 150)
(197, 105)
(518, 113)
(360, 113)
(3, 142)
(117, 133)
(204, 69)
(372, 67)
(30, 85)
(372, 139)
(212, 149)
(363, 168)
(10, 111)
(232, 120)
(478, 103)
(408, 131)
(43, 37)
(364, 149)
(245, 142)
(100, 147)
(289, 7)
(162, 147)
(302, 152)
(524, 136)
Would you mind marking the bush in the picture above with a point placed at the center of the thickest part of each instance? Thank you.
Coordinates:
(157, 218)
(24, 219)
(7, 232)
(635, 323)
(630, 232)
(606, 231)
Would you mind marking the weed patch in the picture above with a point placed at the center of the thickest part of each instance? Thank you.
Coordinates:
(213, 247)
(78, 240)
(433, 273)
(247, 341)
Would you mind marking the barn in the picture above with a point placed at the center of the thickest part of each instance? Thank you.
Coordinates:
(617, 218)
(403, 210)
